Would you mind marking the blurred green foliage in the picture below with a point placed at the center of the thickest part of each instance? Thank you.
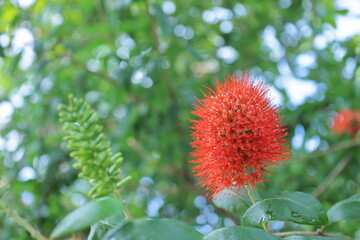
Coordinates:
(141, 64)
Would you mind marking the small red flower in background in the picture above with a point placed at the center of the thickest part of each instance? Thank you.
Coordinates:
(237, 136)
(346, 121)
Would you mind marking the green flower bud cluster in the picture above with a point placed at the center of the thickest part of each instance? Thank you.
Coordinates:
(90, 148)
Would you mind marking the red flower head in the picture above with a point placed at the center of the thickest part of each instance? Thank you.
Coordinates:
(237, 136)
(346, 121)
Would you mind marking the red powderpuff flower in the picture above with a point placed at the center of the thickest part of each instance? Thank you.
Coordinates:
(346, 121)
(238, 135)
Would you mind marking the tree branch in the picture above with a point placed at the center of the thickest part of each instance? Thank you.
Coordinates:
(317, 233)
(334, 148)
(332, 175)
(22, 222)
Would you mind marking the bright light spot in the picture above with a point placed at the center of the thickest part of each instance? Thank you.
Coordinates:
(154, 206)
(138, 76)
(57, 19)
(41, 164)
(276, 226)
(349, 69)
(285, 3)
(201, 219)
(307, 60)
(26, 89)
(304, 28)
(18, 154)
(312, 143)
(212, 218)
(147, 82)
(27, 197)
(346, 27)
(179, 30)
(13, 140)
(272, 44)
(226, 27)
(351, 5)
(123, 52)
(240, 10)
(320, 42)
(297, 90)
(25, 3)
(93, 65)
(144, 181)
(228, 54)
(298, 139)
(168, 7)
(6, 110)
(125, 41)
(218, 41)
(27, 58)
(46, 85)
(120, 111)
(4, 40)
(92, 96)
(77, 199)
(216, 15)
(204, 229)
(22, 38)
(275, 96)
(26, 173)
(189, 33)
(200, 202)
(339, 51)
(291, 30)
(17, 100)
(228, 222)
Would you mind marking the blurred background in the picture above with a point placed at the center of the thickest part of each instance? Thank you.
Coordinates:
(140, 64)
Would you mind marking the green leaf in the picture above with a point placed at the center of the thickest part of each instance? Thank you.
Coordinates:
(346, 209)
(99, 229)
(233, 203)
(162, 19)
(298, 237)
(239, 233)
(160, 229)
(87, 215)
(295, 207)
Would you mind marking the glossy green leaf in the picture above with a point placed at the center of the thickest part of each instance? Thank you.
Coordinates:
(346, 209)
(240, 233)
(238, 203)
(295, 207)
(298, 237)
(87, 215)
(160, 229)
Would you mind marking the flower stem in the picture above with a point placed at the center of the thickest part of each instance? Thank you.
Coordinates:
(126, 209)
(22, 222)
(250, 192)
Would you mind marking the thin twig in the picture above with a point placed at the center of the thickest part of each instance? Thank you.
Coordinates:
(285, 234)
(336, 147)
(332, 175)
(127, 212)
(253, 199)
(22, 222)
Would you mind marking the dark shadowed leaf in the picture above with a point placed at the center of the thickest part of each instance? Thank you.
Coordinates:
(87, 215)
(295, 207)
